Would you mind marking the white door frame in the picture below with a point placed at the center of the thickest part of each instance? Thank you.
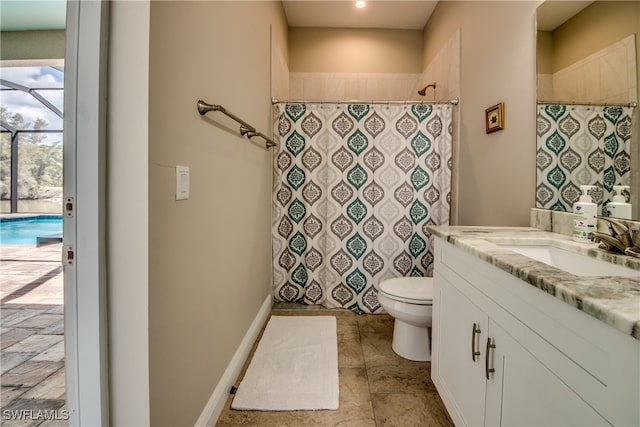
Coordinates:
(84, 229)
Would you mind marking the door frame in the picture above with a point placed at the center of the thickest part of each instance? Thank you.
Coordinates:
(84, 225)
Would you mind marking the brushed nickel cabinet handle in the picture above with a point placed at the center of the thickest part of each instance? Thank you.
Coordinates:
(488, 370)
(474, 353)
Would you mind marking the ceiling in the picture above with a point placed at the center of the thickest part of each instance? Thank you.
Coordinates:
(20, 15)
(551, 14)
(408, 15)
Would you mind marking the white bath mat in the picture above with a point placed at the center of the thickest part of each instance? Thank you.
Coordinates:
(295, 367)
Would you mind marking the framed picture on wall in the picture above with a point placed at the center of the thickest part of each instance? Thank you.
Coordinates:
(494, 117)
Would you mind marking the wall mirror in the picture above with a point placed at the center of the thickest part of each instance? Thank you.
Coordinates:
(587, 128)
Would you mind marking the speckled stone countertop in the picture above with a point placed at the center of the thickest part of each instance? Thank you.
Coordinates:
(614, 300)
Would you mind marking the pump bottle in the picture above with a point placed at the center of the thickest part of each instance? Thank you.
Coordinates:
(618, 207)
(584, 215)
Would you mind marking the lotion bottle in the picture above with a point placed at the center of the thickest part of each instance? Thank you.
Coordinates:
(618, 207)
(584, 215)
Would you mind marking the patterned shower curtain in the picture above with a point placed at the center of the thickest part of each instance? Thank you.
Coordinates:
(355, 187)
(581, 145)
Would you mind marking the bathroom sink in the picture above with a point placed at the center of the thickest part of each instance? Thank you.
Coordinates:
(571, 262)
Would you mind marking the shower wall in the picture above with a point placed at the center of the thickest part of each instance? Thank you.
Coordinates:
(374, 64)
(355, 86)
(355, 64)
(606, 76)
(444, 69)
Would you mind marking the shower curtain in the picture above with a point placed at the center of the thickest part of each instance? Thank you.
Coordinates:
(581, 145)
(355, 187)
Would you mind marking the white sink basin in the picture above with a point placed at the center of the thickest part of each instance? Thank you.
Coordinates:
(571, 262)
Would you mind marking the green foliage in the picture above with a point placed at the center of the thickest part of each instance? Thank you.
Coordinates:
(39, 164)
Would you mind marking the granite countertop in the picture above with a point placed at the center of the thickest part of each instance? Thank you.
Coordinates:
(614, 300)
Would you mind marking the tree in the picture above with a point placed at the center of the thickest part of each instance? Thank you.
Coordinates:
(39, 162)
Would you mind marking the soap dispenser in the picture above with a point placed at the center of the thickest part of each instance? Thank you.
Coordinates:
(584, 215)
(618, 206)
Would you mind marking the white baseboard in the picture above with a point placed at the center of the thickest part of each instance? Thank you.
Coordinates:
(215, 405)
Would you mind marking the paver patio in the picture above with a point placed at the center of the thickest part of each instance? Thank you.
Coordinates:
(32, 374)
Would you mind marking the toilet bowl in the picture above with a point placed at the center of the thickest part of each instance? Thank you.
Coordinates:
(409, 301)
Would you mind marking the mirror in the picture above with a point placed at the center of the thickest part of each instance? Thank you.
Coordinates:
(586, 54)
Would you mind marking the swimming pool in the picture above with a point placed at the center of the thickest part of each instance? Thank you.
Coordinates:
(25, 230)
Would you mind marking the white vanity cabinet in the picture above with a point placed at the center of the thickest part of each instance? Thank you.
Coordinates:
(506, 353)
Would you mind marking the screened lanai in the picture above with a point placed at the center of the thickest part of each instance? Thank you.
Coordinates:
(31, 123)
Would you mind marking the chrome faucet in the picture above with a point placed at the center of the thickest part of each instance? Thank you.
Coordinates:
(619, 239)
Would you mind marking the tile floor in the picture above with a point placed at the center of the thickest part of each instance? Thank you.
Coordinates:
(32, 335)
(377, 387)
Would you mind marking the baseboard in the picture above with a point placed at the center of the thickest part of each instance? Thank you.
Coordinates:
(215, 405)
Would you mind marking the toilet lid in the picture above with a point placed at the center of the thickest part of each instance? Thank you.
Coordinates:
(411, 288)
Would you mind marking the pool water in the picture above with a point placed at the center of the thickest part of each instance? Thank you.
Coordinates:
(24, 231)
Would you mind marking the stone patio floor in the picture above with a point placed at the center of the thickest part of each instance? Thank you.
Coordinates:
(32, 374)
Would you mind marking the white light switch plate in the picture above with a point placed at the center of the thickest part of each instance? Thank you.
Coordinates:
(182, 182)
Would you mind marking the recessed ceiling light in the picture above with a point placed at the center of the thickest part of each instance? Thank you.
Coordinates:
(360, 4)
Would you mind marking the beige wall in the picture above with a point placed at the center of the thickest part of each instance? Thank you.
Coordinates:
(544, 42)
(209, 256)
(496, 171)
(350, 50)
(44, 44)
(596, 27)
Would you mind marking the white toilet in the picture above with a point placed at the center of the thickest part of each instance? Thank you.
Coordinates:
(409, 301)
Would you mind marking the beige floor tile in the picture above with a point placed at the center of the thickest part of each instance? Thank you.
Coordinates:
(354, 408)
(410, 410)
(367, 365)
(229, 417)
(350, 355)
(402, 377)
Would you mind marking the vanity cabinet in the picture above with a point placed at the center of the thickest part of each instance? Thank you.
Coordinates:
(506, 353)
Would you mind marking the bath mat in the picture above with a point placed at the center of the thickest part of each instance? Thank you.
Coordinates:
(294, 368)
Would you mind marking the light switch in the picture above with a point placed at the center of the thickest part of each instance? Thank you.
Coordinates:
(182, 182)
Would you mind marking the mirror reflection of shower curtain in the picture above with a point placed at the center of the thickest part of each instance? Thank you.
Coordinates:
(581, 145)
(355, 186)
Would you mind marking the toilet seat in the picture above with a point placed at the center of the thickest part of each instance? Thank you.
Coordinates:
(412, 290)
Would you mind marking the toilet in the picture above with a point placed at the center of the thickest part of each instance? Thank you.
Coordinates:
(409, 301)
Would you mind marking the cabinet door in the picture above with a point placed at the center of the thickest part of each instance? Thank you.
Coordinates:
(522, 391)
(460, 376)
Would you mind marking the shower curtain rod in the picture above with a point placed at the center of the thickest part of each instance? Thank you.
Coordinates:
(245, 128)
(453, 101)
(591, 104)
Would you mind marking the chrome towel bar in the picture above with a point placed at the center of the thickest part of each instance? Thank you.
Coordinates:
(245, 128)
